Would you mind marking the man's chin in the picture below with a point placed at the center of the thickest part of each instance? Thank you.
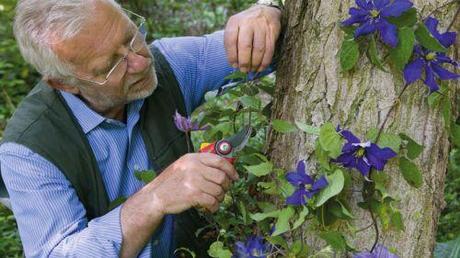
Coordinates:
(147, 87)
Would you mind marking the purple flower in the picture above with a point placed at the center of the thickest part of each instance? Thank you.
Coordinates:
(306, 187)
(372, 16)
(380, 251)
(363, 155)
(186, 125)
(431, 61)
(253, 248)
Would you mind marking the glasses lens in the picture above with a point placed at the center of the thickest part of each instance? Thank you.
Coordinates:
(139, 39)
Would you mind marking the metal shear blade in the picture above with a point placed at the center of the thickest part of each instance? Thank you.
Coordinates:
(240, 139)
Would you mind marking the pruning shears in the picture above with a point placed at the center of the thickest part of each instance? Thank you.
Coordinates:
(227, 147)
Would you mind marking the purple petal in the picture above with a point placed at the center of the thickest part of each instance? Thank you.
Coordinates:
(382, 252)
(358, 12)
(443, 73)
(430, 80)
(297, 198)
(363, 167)
(397, 8)
(441, 58)
(355, 18)
(320, 184)
(365, 4)
(388, 33)
(365, 29)
(446, 39)
(413, 71)
(294, 178)
(347, 160)
(379, 4)
(349, 148)
(350, 137)
(302, 171)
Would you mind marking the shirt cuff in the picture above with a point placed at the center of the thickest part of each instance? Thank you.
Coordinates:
(108, 227)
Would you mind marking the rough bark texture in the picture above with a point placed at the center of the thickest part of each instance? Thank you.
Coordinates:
(311, 88)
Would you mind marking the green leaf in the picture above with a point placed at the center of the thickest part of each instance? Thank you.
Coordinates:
(330, 140)
(413, 148)
(217, 250)
(381, 180)
(145, 176)
(392, 141)
(349, 54)
(261, 169)
(283, 126)
(410, 172)
(374, 55)
(335, 186)
(236, 76)
(407, 19)
(261, 216)
(307, 128)
(335, 240)
(250, 101)
(424, 37)
(401, 54)
(302, 216)
(322, 156)
(282, 224)
(396, 221)
(278, 240)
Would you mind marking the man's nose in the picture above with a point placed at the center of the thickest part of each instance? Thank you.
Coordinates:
(137, 63)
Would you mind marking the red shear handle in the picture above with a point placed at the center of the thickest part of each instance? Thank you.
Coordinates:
(223, 146)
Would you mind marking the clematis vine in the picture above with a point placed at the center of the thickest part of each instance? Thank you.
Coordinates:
(380, 251)
(371, 16)
(363, 155)
(431, 62)
(186, 125)
(253, 248)
(306, 187)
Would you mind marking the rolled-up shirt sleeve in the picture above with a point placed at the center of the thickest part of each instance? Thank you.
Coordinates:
(51, 219)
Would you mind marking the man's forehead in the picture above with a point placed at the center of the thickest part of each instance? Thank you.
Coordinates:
(96, 36)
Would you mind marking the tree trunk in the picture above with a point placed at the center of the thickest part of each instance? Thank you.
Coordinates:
(312, 88)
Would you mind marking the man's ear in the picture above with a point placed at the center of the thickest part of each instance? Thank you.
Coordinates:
(59, 85)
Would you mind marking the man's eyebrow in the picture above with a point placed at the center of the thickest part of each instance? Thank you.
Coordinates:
(113, 58)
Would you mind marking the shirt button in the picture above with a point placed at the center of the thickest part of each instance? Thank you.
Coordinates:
(156, 242)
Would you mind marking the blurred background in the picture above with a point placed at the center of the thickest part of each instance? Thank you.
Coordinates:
(165, 18)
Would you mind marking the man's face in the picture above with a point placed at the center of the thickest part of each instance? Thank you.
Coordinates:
(97, 48)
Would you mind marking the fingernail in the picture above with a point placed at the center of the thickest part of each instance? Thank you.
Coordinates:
(235, 66)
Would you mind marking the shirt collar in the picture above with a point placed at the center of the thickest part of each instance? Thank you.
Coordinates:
(86, 117)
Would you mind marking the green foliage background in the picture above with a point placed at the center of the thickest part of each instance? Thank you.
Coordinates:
(166, 18)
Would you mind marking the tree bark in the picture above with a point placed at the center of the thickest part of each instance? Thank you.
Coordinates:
(312, 88)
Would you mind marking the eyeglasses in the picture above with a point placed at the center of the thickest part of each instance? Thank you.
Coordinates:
(135, 45)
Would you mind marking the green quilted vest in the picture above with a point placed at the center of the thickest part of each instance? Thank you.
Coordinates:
(45, 124)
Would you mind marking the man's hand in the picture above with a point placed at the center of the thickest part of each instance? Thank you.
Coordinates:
(250, 38)
(195, 180)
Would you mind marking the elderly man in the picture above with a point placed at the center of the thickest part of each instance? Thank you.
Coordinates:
(103, 110)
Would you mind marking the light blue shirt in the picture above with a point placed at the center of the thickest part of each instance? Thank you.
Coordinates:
(50, 217)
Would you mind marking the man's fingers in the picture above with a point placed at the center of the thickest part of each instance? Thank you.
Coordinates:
(245, 39)
(211, 189)
(258, 48)
(269, 51)
(208, 202)
(216, 161)
(218, 177)
(231, 42)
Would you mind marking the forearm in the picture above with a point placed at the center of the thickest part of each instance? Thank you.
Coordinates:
(140, 217)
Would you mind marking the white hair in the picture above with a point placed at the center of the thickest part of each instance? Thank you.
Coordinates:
(39, 23)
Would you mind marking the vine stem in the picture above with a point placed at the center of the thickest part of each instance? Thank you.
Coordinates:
(369, 193)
